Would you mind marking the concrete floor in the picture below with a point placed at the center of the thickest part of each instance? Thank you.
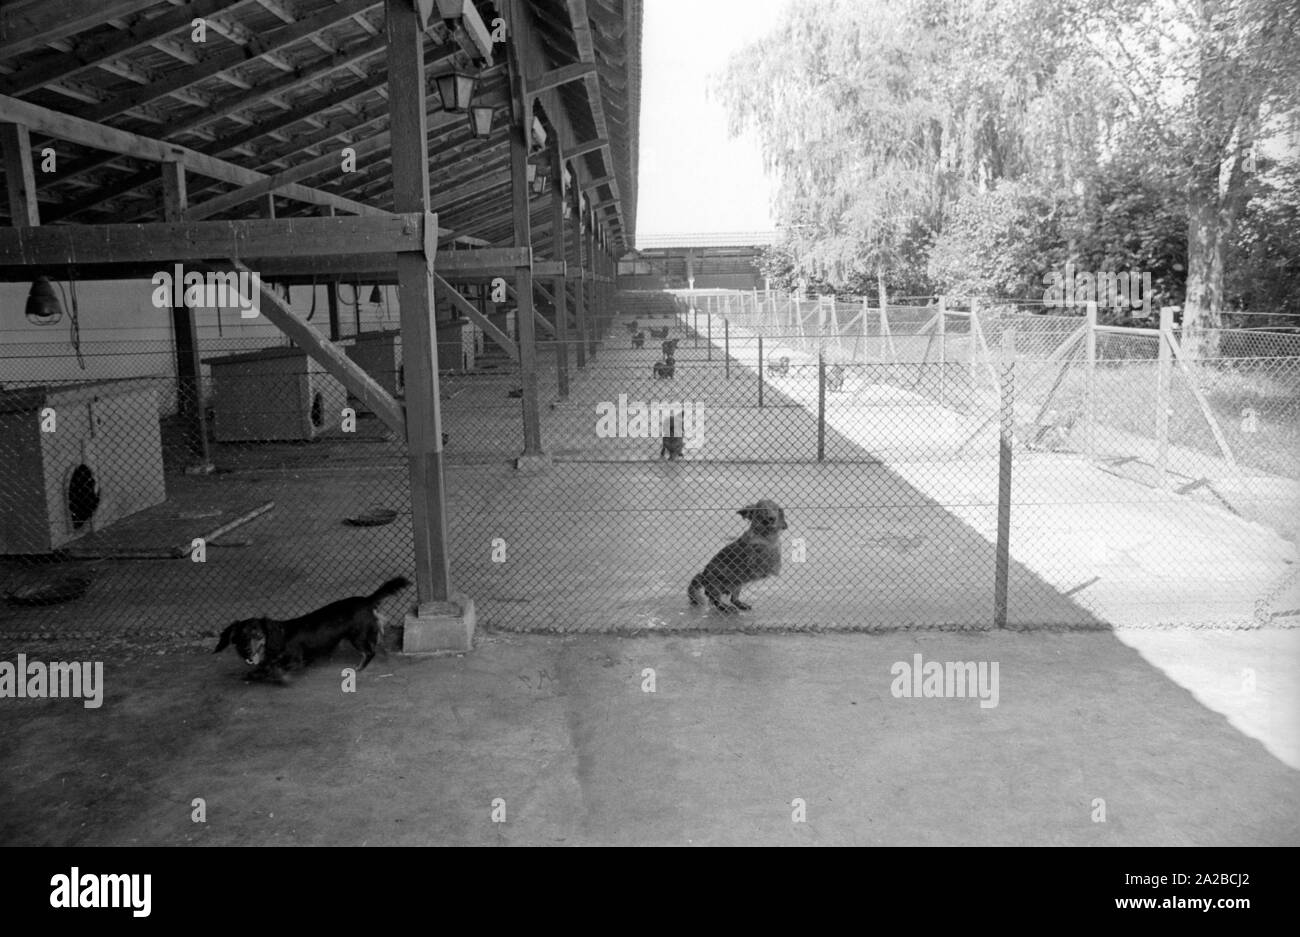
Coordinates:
(561, 730)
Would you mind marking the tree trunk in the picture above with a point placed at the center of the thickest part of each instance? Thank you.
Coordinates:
(1202, 307)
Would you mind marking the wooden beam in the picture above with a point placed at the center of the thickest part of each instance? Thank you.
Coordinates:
(101, 137)
(582, 149)
(305, 170)
(471, 189)
(465, 306)
(320, 349)
(559, 76)
(596, 183)
(215, 64)
(521, 217)
(20, 176)
(423, 429)
(196, 240)
(86, 55)
(26, 27)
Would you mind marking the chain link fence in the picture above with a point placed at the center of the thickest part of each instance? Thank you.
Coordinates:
(940, 465)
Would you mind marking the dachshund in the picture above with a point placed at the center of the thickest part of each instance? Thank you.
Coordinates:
(665, 369)
(638, 339)
(274, 646)
(756, 554)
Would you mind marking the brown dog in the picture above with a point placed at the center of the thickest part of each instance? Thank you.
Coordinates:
(756, 554)
(274, 646)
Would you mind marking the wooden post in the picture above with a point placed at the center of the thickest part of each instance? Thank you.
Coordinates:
(558, 284)
(189, 374)
(524, 275)
(1002, 562)
(760, 372)
(20, 175)
(726, 345)
(1163, 375)
(581, 274)
(410, 159)
(593, 284)
(1090, 383)
(709, 344)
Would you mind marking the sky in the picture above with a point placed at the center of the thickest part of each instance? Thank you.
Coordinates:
(694, 178)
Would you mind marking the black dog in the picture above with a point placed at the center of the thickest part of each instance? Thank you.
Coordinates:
(660, 333)
(673, 441)
(638, 340)
(670, 347)
(756, 554)
(665, 368)
(274, 646)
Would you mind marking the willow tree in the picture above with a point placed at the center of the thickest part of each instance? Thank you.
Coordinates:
(840, 100)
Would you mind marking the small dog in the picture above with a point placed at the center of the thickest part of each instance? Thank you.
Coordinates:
(631, 326)
(670, 347)
(779, 366)
(275, 646)
(673, 441)
(665, 369)
(659, 333)
(756, 554)
(638, 340)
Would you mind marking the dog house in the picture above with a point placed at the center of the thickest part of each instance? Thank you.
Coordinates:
(277, 394)
(75, 459)
(379, 354)
(455, 346)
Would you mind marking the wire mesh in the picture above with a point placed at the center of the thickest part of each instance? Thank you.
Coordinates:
(1143, 488)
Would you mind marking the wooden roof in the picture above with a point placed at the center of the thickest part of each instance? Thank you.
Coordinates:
(280, 87)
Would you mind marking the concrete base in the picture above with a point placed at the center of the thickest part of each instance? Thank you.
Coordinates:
(440, 626)
(533, 464)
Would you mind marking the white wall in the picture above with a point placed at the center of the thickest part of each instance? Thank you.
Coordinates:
(123, 335)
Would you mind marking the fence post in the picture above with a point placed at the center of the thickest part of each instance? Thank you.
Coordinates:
(709, 324)
(1003, 552)
(760, 372)
(1163, 375)
(695, 325)
(942, 326)
(821, 406)
(1089, 382)
(726, 345)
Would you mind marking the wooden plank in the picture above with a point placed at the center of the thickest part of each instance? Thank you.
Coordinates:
(20, 176)
(582, 149)
(559, 297)
(304, 170)
(559, 76)
(471, 189)
(423, 430)
(197, 240)
(322, 350)
(228, 58)
(86, 55)
(101, 137)
(29, 26)
(466, 307)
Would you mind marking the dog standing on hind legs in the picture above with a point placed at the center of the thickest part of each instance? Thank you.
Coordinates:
(756, 554)
(673, 441)
(273, 646)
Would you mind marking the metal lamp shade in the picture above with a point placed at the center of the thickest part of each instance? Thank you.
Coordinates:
(480, 121)
(43, 306)
(456, 90)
